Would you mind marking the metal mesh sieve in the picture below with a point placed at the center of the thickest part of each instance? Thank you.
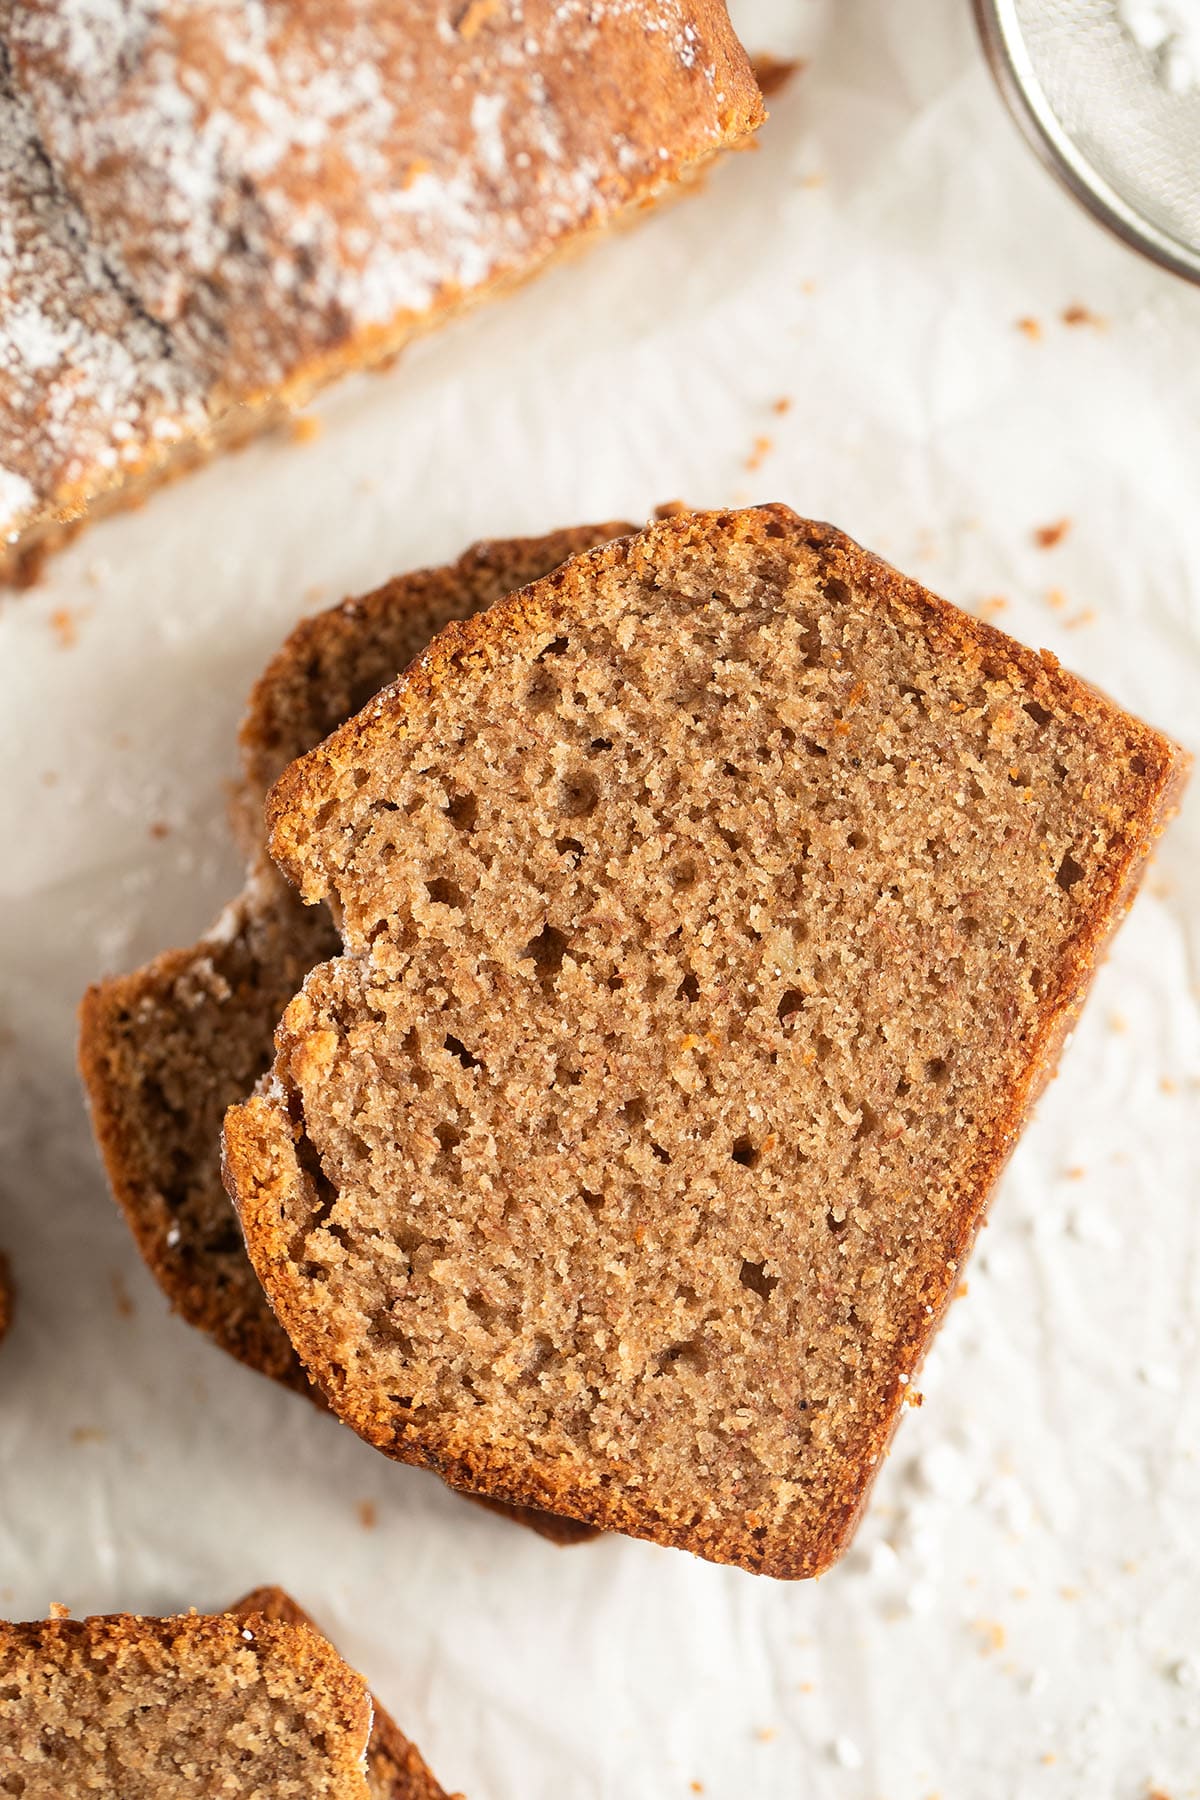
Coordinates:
(1094, 105)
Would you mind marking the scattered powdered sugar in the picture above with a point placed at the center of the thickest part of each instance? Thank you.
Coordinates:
(1170, 31)
(270, 180)
(88, 386)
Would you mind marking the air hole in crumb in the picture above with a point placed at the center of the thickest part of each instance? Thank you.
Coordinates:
(592, 1201)
(836, 590)
(448, 1136)
(483, 1309)
(546, 952)
(729, 838)
(1039, 714)
(599, 745)
(858, 840)
(822, 1045)
(869, 1121)
(689, 988)
(752, 1276)
(445, 893)
(569, 847)
(556, 647)
(810, 646)
(542, 692)
(732, 770)
(663, 1156)
(937, 1070)
(689, 1354)
(791, 1003)
(745, 1153)
(577, 795)
(836, 1225)
(1069, 872)
(683, 875)
(1139, 765)
(903, 1087)
(544, 1353)
(462, 810)
(1035, 981)
(774, 529)
(1061, 770)
(377, 806)
(1019, 778)
(464, 1056)
(815, 749)
(634, 1111)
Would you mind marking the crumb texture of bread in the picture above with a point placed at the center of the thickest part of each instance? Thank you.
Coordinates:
(713, 912)
(165, 1051)
(396, 1769)
(165, 1709)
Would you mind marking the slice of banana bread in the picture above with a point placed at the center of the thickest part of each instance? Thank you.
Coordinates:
(165, 1709)
(396, 1769)
(164, 1051)
(713, 911)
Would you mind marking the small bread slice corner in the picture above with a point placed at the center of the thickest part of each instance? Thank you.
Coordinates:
(248, 1707)
(714, 911)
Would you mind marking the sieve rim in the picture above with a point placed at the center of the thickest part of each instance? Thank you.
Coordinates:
(1018, 83)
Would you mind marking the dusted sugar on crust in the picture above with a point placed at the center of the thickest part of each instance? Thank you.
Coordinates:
(164, 1709)
(713, 912)
(92, 393)
(291, 188)
(396, 1769)
(166, 1050)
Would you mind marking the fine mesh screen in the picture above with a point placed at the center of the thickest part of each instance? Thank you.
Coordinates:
(1107, 116)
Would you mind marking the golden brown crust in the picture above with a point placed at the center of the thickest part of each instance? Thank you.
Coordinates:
(47, 1664)
(204, 235)
(265, 1170)
(162, 1052)
(396, 1769)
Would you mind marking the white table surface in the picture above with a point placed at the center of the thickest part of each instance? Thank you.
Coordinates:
(1021, 1615)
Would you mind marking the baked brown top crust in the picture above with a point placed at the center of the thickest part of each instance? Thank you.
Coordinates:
(713, 911)
(207, 211)
(91, 391)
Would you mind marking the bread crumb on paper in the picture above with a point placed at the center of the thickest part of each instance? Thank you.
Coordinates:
(1047, 536)
(1083, 315)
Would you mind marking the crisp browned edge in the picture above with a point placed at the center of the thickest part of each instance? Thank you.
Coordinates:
(1153, 799)
(235, 420)
(309, 1652)
(98, 1010)
(414, 1779)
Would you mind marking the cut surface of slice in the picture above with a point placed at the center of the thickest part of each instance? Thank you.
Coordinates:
(164, 1709)
(713, 911)
(396, 1770)
(167, 1049)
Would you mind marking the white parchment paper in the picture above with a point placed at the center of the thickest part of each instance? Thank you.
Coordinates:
(1021, 1616)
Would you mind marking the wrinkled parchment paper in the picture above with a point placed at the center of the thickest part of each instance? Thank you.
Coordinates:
(1021, 1615)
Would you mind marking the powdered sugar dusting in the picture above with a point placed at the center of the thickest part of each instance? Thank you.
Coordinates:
(271, 182)
(88, 386)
